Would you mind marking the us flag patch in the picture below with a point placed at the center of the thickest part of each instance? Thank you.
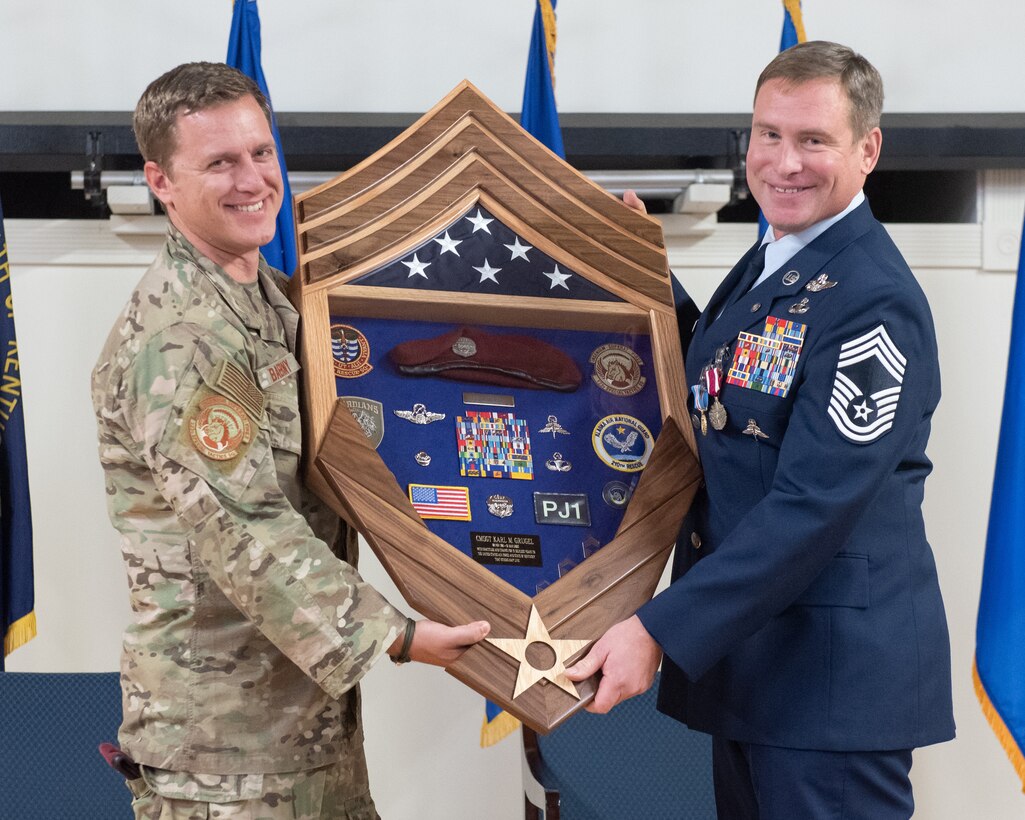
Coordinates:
(867, 385)
(446, 503)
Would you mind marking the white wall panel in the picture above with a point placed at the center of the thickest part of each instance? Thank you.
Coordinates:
(403, 55)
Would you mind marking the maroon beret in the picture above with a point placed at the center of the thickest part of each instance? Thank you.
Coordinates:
(470, 354)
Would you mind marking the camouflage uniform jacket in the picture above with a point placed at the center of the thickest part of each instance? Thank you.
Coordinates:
(248, 634)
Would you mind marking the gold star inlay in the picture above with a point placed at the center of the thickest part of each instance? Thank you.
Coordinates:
(528, 675)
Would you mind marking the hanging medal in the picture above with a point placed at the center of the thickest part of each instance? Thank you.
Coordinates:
(700, 393)
(712, 377)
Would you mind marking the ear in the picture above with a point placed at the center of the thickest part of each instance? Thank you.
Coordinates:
(159, 182)
(871, 145)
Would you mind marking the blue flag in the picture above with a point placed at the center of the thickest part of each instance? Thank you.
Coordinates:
(793, 33)
(999, 669)
(244, 54)
(539, 116)
(793, 25)
(540, 119)
(17, 597)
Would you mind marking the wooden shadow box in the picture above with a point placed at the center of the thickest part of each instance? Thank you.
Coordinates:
(489, 338)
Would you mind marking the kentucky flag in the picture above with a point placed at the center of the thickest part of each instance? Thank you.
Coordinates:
(999, 669)
(244, 54)
(17, 598)
(793, 33)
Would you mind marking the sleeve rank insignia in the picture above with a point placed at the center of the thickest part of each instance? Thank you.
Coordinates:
(866, 388)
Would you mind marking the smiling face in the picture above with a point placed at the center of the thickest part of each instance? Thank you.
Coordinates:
(222, 188)
(804, 163)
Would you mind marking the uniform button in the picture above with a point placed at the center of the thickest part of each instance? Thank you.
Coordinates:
(695, 540)
(756, 307)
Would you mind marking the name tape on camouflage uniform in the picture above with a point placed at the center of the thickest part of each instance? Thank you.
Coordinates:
(281, 369)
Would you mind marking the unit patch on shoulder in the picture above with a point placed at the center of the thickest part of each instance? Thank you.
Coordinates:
(867, 385)
(220, 429)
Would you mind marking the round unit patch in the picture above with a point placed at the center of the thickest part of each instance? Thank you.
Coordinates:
(617, 370)
(219, 428)
(350, 351)
(616, 494)
(622, 442)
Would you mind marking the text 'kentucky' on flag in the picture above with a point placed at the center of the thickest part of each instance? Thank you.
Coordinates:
(244, 54)
(478, 254)
(999, 669)
(17, 594)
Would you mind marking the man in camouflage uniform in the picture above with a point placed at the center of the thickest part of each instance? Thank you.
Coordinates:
(251, 629)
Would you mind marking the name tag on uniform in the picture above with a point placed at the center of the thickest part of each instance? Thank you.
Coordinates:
(767, 362)
(273, 373)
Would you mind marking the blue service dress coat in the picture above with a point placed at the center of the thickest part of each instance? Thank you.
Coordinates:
(805, 610)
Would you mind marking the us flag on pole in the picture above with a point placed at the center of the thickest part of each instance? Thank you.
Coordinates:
(447, 503)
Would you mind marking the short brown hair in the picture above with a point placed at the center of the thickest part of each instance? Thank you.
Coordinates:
(818, 60)
(187, 88)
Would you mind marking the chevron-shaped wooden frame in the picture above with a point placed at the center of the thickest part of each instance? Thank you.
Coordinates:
(467, 152)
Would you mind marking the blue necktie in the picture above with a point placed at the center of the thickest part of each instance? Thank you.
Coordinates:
(754, 268)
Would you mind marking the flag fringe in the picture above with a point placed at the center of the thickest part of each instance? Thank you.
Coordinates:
(998, 726)
(794, 8)
(492, 731)
(20, 633)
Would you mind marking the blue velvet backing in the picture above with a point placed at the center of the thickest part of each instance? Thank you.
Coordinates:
(577, 412)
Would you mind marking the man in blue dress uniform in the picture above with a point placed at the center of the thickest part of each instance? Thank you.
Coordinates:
(804, 627)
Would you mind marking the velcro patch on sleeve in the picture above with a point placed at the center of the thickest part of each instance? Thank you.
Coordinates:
(219, 428)
(236, 383)
(866, 388)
